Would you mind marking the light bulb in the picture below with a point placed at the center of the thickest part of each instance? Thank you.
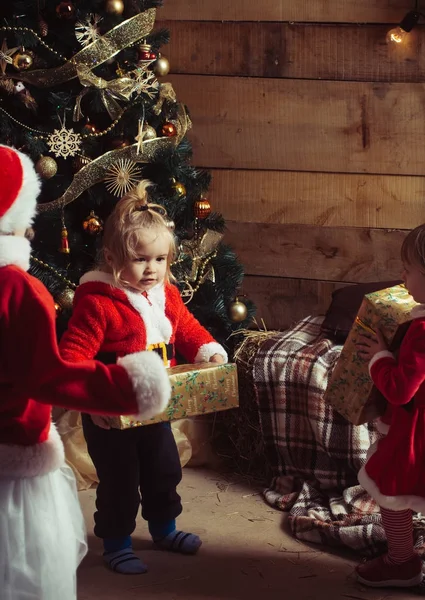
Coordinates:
(397, 35)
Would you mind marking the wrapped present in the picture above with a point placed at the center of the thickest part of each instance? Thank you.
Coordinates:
(350, 390)
(196, 390)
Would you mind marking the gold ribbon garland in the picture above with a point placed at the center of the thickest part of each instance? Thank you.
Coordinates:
(97, 169)
(106, 47)
(121, 89)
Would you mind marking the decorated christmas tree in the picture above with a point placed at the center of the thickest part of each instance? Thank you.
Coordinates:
(83, 91)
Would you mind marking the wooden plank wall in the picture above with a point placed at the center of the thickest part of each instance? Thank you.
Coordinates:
(314, 129)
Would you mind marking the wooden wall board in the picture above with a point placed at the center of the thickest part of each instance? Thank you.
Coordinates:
(282, 302)
(297, 125)
(299, 51)
(330, 199)
(346, 254)
(338, 11)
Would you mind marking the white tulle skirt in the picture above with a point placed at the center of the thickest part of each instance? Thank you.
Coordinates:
(42, 537)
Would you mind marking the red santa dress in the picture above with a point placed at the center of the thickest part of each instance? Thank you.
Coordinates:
(42, 533)
(394, 474)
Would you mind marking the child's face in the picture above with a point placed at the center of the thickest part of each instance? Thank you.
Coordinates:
(150, 266)
(414, 280)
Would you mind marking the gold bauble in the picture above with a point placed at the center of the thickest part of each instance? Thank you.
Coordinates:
(114, 7)
(65, 298)
(150, 133)
(22, 61)
(46, 167)
(58, 308)
(202, 208)
(238, 311)
(161, 67)
(92, 224)
(179, 189)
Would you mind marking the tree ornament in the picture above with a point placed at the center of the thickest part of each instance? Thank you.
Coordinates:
(170, 224)
(58, 308)
(64, 142)
(169, 129)
(145, 51)
(23, 60)
(64, 249)
(89, 128)
(46, 167)
(43, 26)
(80, 161)
(119, 142)
(24, 96)
(179, 188)
(238, 311)
(150, 133)
(65, 10)
(92, 224)
(161, 66)
(6, 55)
(122, 177)
(87, 31)
(65, 298)
(202, 208)
(114, 7)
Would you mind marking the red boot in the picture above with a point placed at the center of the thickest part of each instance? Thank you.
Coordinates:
(379, 573)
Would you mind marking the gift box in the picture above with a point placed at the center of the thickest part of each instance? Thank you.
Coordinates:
(350, 390)
(196, 390)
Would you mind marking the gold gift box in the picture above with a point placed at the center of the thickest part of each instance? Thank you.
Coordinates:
(350, 390)
(196, 390)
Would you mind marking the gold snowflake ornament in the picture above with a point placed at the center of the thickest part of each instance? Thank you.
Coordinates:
(64, 142)
(122, 177)
(146, 82)
(87, 31)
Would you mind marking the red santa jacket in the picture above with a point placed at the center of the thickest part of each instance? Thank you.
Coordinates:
(111, 319)
(33, 375)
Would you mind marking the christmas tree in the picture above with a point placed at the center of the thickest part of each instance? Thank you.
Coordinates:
(82, 91)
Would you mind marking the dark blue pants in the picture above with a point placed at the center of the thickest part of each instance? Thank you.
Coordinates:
(137, 465)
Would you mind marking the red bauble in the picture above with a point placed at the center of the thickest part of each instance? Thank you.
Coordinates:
(144, 55)
(202, 208)
(169, 129)
(65, 10)
(152, 56)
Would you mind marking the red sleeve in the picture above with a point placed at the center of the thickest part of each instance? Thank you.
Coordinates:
(190, 336)
(36, 370)
(399, 379)
(86, 330)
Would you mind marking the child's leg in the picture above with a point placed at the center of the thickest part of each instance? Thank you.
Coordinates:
(114, 454)
(160, 474)
(401, 566)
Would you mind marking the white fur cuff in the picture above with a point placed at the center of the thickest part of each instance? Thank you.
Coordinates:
(150, 381)
(206, 351)
(378, 356)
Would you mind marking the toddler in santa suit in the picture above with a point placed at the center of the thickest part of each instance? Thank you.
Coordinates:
(394, 474)
(130, 305)
(42, 533)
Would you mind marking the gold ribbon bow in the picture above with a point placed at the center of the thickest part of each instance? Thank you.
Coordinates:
(110, 91)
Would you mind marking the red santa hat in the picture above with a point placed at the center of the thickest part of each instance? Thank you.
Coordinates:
(19, 188)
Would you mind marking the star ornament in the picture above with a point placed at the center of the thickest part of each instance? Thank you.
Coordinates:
(140, 136)
(6, 55)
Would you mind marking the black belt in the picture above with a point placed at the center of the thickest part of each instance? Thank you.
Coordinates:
(165, 351)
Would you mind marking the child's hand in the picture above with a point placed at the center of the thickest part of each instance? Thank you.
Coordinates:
(217, 358)
(101, 421)
(368, 346)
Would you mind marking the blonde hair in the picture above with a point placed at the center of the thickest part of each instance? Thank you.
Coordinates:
(413, 248)
(132, 216)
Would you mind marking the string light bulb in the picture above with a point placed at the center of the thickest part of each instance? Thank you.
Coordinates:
(399, 34)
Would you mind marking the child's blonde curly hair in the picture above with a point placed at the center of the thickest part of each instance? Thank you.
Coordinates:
(413, 248)
(132, 217)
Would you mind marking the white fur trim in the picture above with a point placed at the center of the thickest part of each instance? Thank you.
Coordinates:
(418, 311)
(157, 325)
(378, 356)
(22, 212)
(150, 381)
(18, 461)
(206, 351)
(15, 250)
(415, 503)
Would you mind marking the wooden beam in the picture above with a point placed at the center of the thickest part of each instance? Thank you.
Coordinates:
(282, 302)
(297, 125)
(347, 254)
(329, 11)
(330, 199)
(298, 51)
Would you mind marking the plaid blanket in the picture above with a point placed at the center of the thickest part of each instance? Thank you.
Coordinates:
(315, 453)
